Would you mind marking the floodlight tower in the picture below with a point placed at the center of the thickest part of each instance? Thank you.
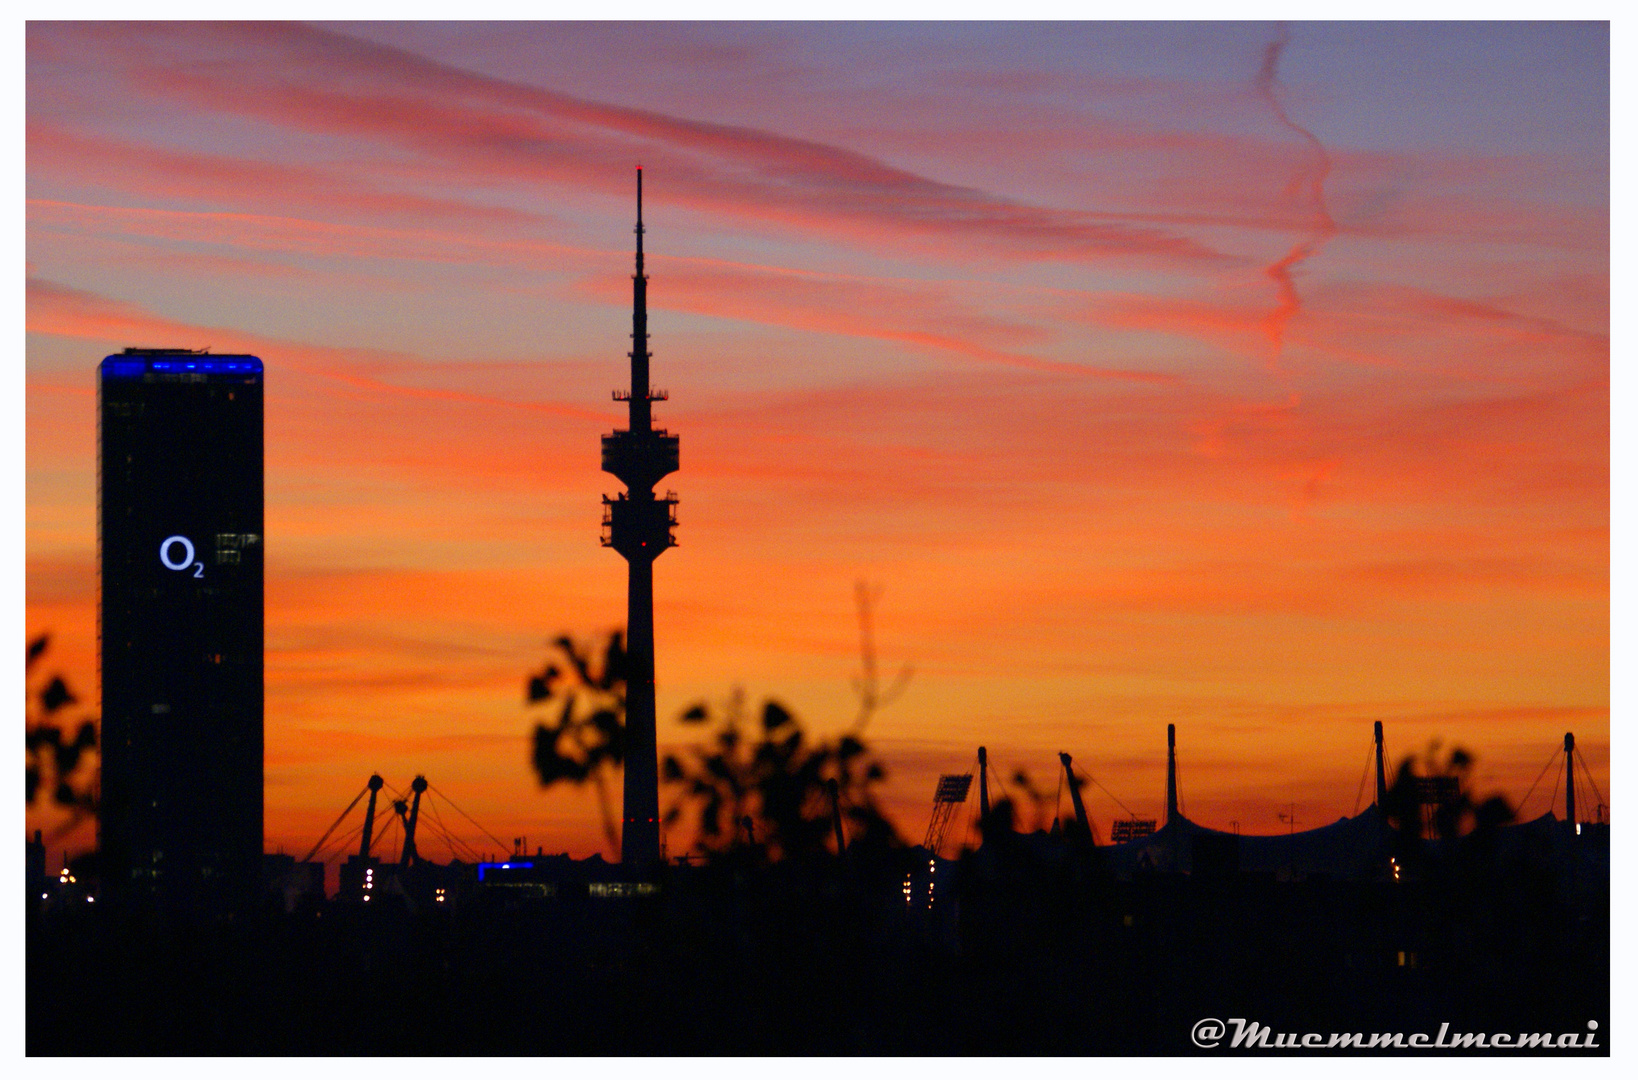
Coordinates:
(638, 525)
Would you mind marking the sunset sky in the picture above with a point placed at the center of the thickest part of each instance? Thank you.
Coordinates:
(1250, 378)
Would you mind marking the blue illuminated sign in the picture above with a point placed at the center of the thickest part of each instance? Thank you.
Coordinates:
(167, 548)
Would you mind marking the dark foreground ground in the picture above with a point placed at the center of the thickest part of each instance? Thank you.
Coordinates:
(1014, 959)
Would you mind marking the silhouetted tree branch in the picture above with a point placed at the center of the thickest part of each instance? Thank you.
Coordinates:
(58, 764)
(1455, 814)
(866, 684)
(587, 740)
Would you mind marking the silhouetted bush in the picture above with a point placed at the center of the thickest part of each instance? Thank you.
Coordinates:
(760, 793)
(58, 764)
(774, 793)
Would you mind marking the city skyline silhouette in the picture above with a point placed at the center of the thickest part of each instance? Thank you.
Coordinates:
(1187, 375)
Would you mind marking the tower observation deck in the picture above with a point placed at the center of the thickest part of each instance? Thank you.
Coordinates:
(637, 524)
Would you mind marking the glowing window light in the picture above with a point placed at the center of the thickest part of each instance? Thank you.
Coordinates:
(621, 888)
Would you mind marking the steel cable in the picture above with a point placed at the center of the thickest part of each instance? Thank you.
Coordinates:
(503, 845)
(337, 821)
(1524, 801)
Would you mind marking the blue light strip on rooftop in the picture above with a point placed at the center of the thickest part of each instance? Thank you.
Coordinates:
(121, 366)
(522, 864)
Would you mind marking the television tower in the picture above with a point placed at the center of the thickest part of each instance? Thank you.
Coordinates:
(638, 525)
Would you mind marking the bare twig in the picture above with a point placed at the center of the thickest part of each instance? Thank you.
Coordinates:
(867, 683)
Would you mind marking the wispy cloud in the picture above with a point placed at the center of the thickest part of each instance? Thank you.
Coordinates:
(481, 128)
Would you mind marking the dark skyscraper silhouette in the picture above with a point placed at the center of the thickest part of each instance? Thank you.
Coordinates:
(638, 525)
(180, 537)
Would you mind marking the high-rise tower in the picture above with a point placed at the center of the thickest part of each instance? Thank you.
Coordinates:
(180, 537)
(638, 525)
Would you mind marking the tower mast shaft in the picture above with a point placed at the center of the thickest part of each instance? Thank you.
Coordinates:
(1171, 773)
(1381, 775)
(1569, 777)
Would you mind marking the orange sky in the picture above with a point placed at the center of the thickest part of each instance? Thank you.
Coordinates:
(1251, 380)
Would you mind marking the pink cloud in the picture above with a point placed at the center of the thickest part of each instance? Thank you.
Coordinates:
(924, 316)
(318, 81)
(168, 174)
(274, 234)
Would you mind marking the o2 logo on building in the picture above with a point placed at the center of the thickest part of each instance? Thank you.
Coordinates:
(176, 552)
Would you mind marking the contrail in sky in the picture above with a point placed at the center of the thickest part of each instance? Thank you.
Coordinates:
(1313, 178)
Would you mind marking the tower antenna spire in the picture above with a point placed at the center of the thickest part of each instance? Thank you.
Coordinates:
(641, 397)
